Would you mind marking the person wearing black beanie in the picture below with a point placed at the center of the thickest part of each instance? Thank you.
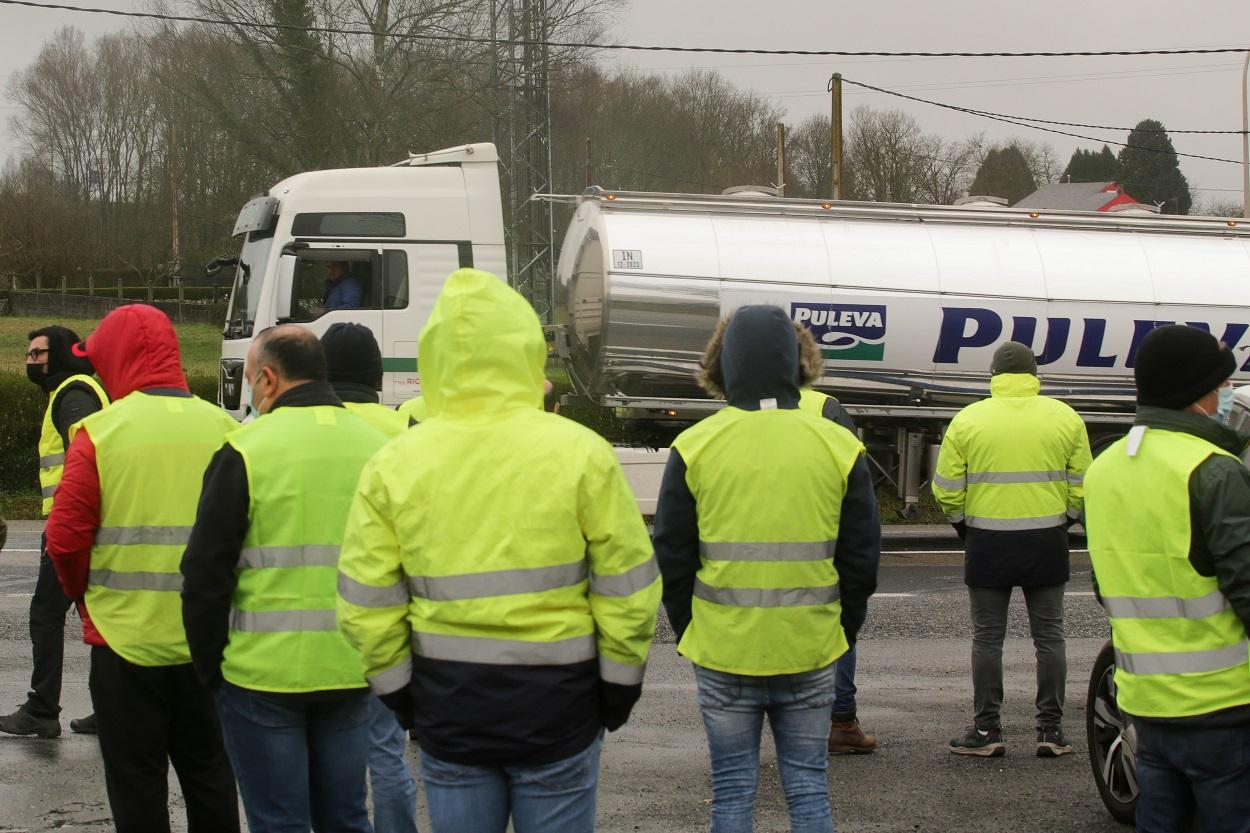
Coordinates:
(354, 368)
(72, 395)
(1167, 514)
(1177, 366)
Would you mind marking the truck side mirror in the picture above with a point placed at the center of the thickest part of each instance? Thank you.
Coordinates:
(285, 287)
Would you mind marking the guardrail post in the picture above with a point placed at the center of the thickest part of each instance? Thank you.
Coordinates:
(91, 286)
(180, 300)
(64, 284)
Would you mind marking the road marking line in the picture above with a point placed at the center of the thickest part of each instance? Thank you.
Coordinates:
(893, 595)
(15, 549)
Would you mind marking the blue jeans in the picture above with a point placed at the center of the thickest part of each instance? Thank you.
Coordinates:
(300, 763)
(798, 708)
(1187, 773)
(394, 791)
(479, 799)
(844, 689)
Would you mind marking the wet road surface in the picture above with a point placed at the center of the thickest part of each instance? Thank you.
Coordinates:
(914, 692)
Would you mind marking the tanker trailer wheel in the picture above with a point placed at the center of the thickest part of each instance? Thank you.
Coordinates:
(1112, 741)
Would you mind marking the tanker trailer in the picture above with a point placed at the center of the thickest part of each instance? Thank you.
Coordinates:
(907, 302)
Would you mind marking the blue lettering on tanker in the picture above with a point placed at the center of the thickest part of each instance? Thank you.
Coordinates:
(845, 332)
(976, 327)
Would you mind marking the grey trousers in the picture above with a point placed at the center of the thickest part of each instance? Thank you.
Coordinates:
(989, 628)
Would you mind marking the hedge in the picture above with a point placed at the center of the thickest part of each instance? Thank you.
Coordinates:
(22, 415)
(209, 294)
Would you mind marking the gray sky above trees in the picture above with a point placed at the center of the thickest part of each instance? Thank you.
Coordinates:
(1193, 92)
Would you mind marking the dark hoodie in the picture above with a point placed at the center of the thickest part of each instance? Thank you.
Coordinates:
(760, 364)
(135, 348)
(76, 400)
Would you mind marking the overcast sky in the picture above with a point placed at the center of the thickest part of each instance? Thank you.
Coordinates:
(1184, 92)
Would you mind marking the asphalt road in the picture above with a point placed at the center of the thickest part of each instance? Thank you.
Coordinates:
(915, 693)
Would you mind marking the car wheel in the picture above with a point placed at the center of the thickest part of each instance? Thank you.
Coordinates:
(1112, 741)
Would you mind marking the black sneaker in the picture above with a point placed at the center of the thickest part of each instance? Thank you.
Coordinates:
(22, 722)
(84, 725)
(984, 743)
(1051, 743)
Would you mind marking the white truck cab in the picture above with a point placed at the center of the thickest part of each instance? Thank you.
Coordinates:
(390, 235)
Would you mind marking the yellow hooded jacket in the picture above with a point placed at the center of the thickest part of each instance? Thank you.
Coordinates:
(495, 562)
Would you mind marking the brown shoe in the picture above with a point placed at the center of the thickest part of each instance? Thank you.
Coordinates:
(846, 738)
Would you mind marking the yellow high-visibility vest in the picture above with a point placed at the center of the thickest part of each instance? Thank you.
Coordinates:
(768, 486)
(51, 448)
(151, 453)
(1180, 649)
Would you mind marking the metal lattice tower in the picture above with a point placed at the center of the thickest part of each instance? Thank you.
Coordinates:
(522, 133)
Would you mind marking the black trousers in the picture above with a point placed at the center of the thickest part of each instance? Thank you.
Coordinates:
(149, 717)
(48, 607)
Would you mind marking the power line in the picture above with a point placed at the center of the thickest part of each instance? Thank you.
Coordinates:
(447, 38)
(1014, 120)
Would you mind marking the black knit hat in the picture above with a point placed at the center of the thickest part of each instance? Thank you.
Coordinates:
(1178, 365)
(352, 355)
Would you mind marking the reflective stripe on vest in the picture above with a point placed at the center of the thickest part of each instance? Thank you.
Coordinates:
(303, 463)
(1184, 662)
(313, 555)
(1015, 476)
(1012, 524)
(504, 651)
(136, 580)
(498, 582)
(1165, 607)
(365, 595)
(772, 551)
(51, 448)
(765, 597)
(127, 536)
(1180, 649)
(279, 621)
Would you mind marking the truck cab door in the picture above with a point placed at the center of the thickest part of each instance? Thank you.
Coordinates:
(413, 275)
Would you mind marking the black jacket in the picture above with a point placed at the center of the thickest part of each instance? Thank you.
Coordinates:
(212, 554)
(1219, 512)
(759, 365)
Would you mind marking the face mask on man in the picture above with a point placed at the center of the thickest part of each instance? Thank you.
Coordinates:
(1224, 409)
(36, 373)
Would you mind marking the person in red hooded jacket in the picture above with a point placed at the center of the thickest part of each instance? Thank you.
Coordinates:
(121, 520)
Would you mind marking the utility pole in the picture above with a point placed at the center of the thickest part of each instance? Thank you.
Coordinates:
(522, 133)
(1245, 140)
(835, 127)
(781, 159)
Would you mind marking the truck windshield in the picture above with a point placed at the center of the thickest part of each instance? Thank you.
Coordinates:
(249, 278)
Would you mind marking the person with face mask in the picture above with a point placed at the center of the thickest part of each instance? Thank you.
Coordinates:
(121, 520)
(1167, 513)
(72, 395)
(258, 595)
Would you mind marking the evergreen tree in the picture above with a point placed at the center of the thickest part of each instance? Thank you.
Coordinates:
(1092, 166)
(1150, 172)
(1004, 173)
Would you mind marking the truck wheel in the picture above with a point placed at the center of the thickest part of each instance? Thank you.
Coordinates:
(1112, 741)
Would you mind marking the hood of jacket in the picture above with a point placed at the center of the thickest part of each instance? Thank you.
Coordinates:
(62, 363)
(135, 348)
(482, 351)
(760, 359)
(1015, 384)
